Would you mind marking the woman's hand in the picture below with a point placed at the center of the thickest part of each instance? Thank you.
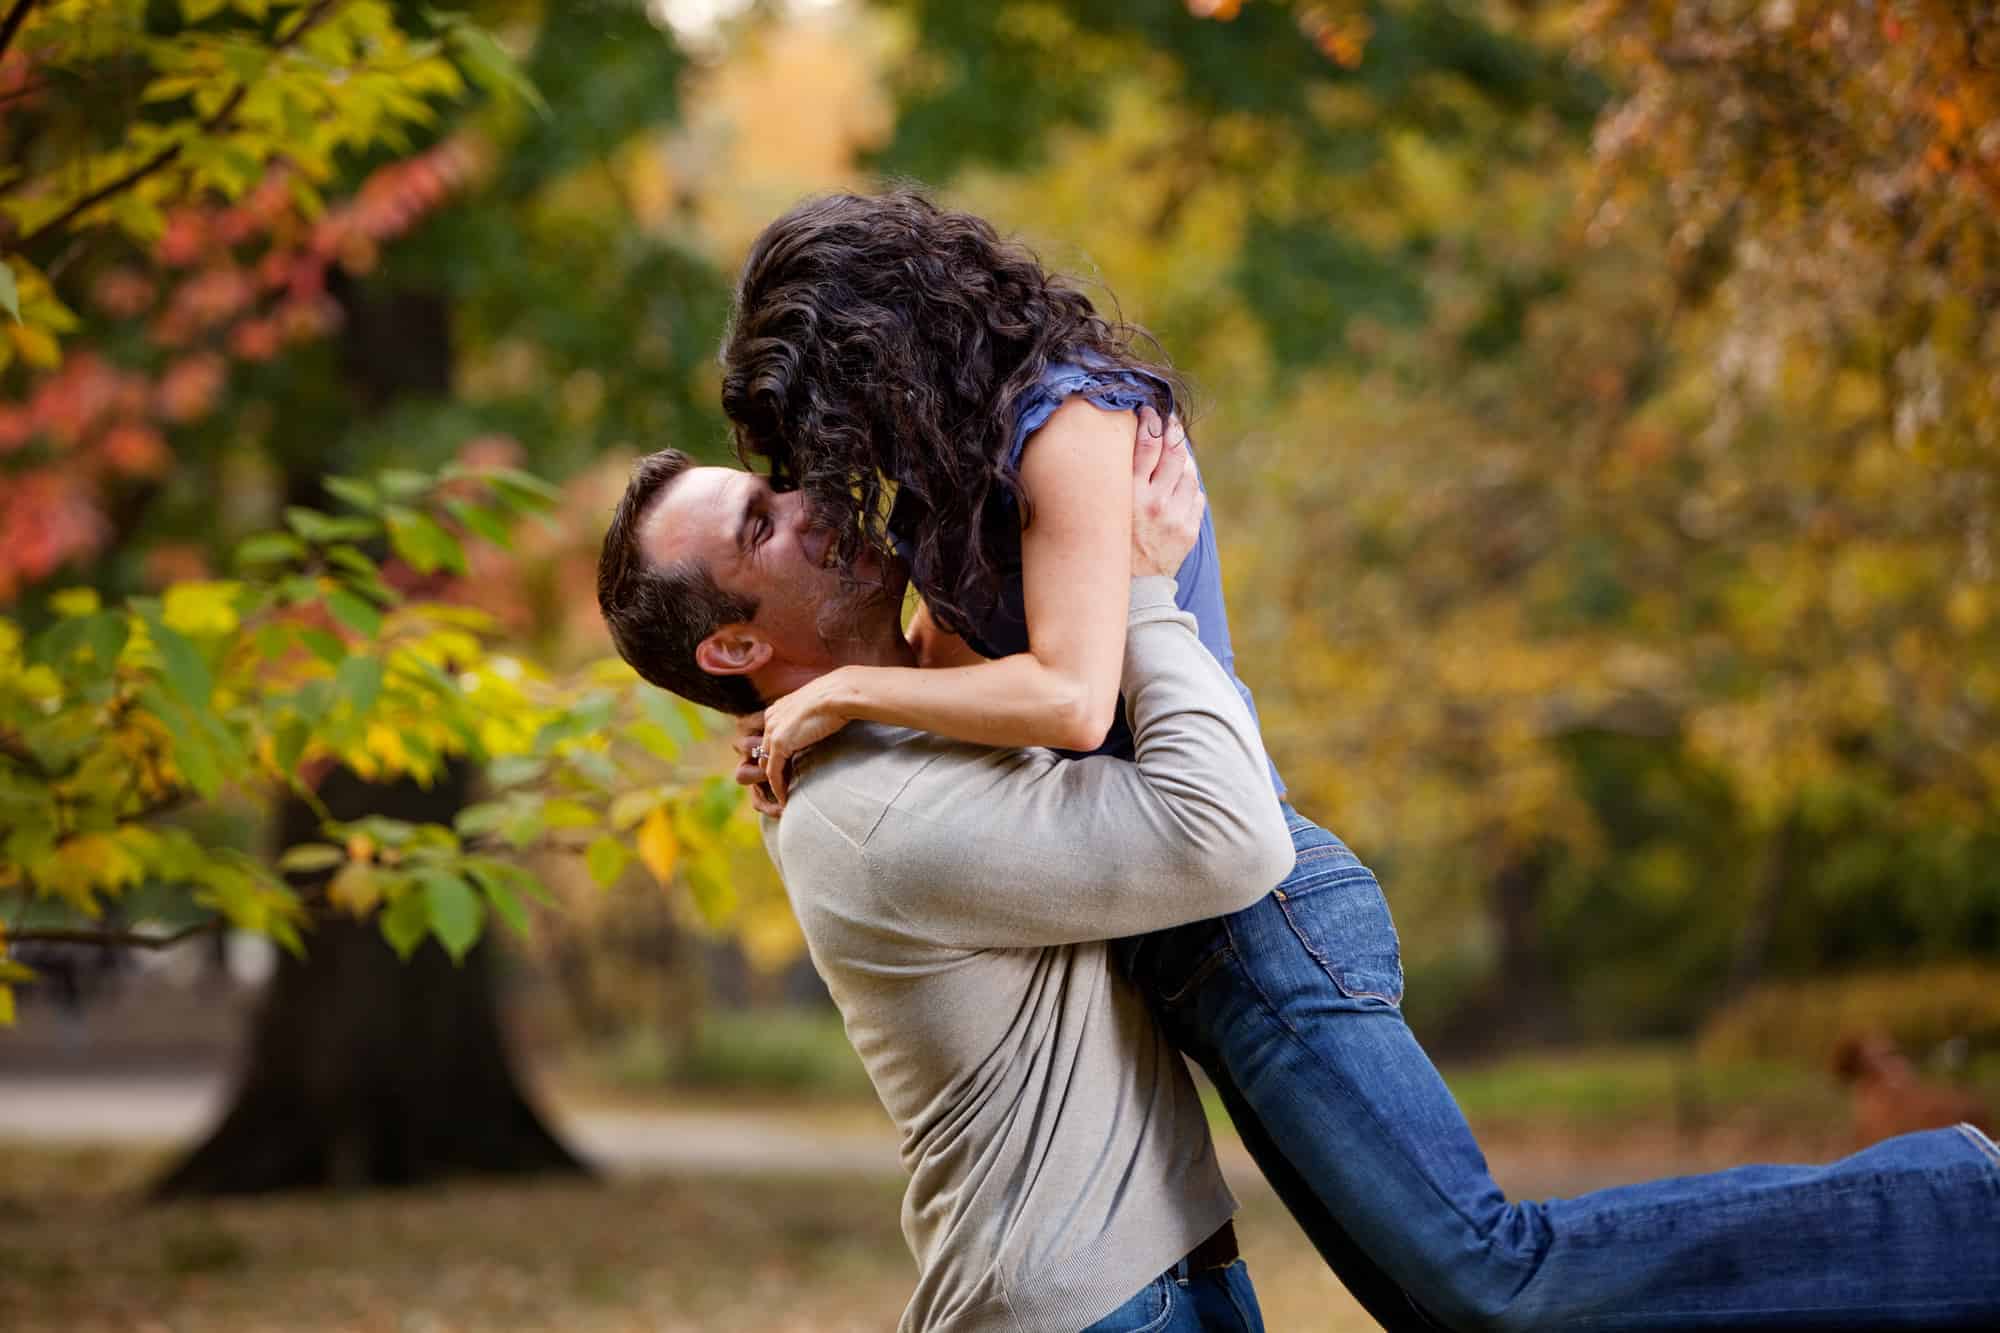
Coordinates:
(749, 747)
(1167, 502)
(803, 718)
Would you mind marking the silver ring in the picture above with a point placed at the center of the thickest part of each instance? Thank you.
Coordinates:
(758, 754)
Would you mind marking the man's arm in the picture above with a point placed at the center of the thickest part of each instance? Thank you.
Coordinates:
(1020, 848)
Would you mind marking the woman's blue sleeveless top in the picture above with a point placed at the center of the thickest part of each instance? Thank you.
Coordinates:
(1004, 629)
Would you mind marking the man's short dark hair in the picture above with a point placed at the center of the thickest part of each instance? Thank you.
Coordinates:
(659, 614)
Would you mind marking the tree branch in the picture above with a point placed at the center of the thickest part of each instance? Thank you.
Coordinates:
(115, 939)
(125, 181)
(12, 23)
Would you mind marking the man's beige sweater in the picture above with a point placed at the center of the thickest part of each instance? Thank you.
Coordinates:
(956, 900)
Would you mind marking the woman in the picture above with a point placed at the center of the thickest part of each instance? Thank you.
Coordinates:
(931, 389)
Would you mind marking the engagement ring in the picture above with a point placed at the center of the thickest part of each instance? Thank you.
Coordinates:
(758, 754)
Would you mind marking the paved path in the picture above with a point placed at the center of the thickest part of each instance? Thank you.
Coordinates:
(164, 1110)
(176, 1109)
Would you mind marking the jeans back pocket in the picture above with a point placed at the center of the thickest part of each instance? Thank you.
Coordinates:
(1334, 905)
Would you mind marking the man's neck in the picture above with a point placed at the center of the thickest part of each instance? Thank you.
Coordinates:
(885, 649)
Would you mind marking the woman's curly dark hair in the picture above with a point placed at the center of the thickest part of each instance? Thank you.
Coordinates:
(876, 354)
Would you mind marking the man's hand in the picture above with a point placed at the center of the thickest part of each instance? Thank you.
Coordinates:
(750, 772)
(1167, 502)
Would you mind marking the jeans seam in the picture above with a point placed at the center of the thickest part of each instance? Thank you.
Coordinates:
(1166, 1307)
(1229, 1290)
(1325, 964)
(1980, 1141)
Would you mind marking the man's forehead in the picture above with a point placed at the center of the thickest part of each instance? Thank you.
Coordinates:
(697, 517)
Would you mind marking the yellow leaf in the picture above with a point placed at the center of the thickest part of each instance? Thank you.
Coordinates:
(40, 684)
(769, 935)
(658, 847)
(74, 602)
(355, 888)
(37, 346)
(202, 606)
(6, 1006)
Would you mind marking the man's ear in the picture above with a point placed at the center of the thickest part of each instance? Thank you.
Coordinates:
(733, 650)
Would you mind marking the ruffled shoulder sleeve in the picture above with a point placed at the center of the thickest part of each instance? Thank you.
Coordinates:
(1112, 388)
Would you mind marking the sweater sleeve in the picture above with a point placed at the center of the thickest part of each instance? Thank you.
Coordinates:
(1018, 848)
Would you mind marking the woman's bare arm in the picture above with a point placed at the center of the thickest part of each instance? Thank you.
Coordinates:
(1077, 569)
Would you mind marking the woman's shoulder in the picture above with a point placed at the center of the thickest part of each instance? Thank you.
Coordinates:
(1104, 383)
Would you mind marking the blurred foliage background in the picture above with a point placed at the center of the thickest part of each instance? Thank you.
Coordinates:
(1599, 403)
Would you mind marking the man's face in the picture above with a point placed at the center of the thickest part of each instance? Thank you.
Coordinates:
(758, 543)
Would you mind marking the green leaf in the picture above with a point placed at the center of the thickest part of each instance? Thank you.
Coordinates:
(404, 923)
(326, 647)
(506, 902)
(482, 521)
(485, 869)
(269, 548)
(358, 682)
(455, 911)
(192, 753)
(655, 739)
(714, 893)
(353, 612)
(287, 937)
(562, 812)
(482, 818)
(320, 529)
(720, 798)
(403, 484)
(426, 546)
(667, 713)
(187, 677)
(105, 635)
(10, 292)
(289, 743)
(512, 770)
(307, 857)
(607, 859)
(352, 491)
(628, 808)
(523, 490)
(485, 61)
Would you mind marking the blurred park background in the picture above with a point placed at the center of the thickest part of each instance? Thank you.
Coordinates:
(1599, 404)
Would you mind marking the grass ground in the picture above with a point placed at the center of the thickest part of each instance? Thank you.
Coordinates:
(663, 1254)
(765, 1253)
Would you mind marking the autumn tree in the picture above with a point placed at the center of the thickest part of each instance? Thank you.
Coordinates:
(231, 333)
(1605, 391)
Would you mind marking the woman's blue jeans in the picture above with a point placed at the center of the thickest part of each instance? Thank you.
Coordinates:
(1292, 1008)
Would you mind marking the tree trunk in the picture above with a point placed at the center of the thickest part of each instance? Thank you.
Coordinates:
(365, 1070)
(1760, 927)
(362, 1069)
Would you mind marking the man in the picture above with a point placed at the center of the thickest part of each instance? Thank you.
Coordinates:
(956, 900)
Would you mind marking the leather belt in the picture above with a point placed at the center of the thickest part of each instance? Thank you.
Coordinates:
(1218, 1251)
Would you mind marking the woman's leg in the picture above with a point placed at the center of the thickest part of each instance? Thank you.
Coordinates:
(1293, 1006)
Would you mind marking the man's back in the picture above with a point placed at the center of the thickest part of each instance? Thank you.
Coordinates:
(952, 898)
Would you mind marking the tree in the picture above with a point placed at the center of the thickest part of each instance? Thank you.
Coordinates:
(1619, 579)
(302, 679)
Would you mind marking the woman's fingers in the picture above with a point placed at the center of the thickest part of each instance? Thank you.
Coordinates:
(764, 803)
(1147, 442)
(776, 773)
